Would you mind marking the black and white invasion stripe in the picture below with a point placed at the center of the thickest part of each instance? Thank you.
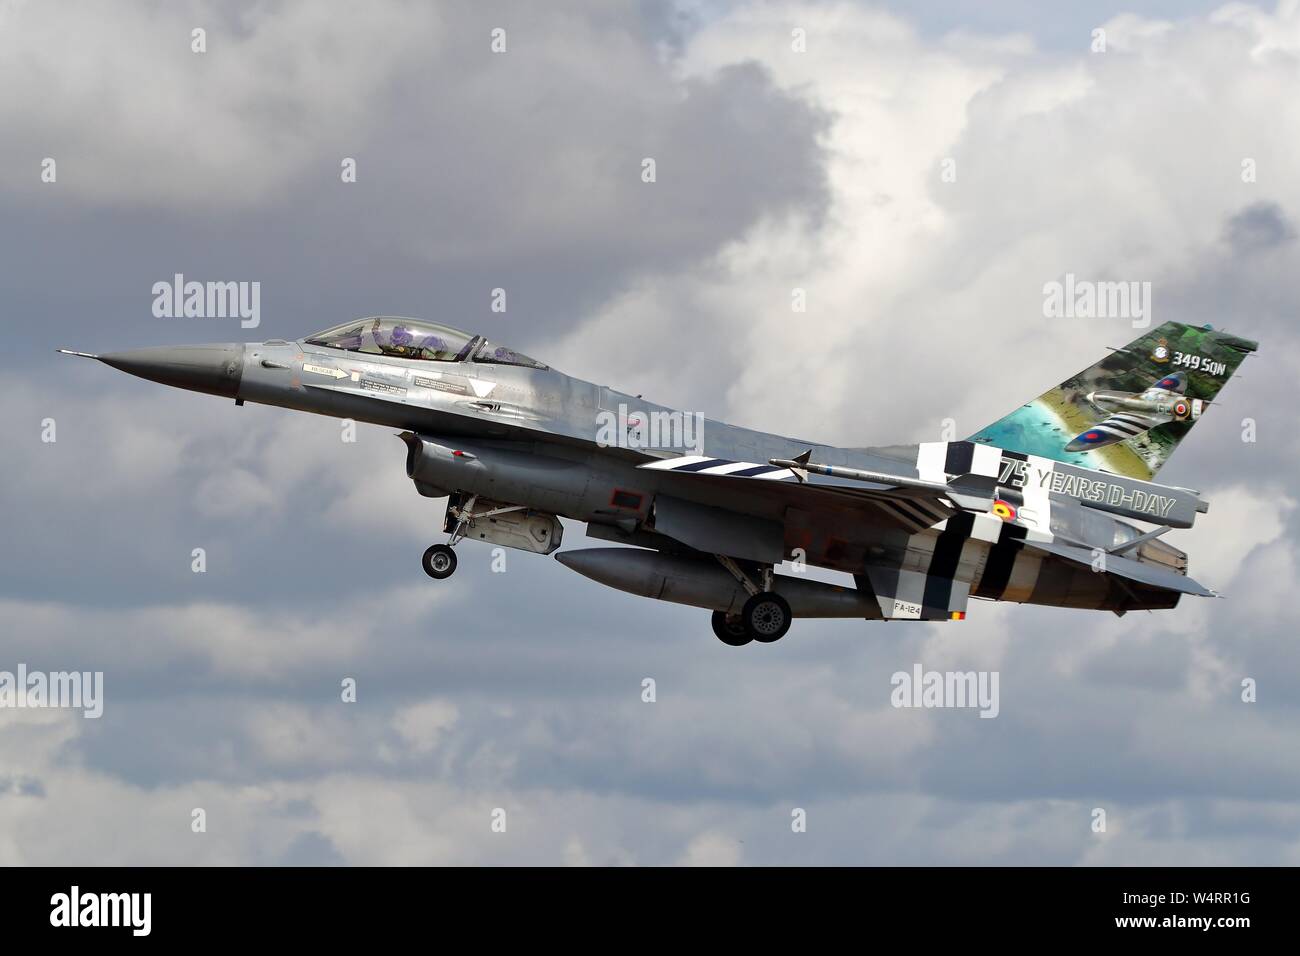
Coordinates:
(704, 465)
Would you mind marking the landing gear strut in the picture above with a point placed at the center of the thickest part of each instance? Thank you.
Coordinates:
(439, 559)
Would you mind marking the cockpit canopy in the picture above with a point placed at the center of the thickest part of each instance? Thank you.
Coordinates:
(415, 339)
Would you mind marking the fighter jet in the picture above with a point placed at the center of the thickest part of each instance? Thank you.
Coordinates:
(704, 513)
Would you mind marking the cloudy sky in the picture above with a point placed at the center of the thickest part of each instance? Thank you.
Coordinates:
(776, 169)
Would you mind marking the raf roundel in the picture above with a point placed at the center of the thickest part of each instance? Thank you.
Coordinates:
(1004, 510)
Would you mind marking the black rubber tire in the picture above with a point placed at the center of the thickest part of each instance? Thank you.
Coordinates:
(733, 633)
(767, 617)
(439, 562)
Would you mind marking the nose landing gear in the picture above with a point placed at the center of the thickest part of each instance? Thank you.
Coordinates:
(439, 561)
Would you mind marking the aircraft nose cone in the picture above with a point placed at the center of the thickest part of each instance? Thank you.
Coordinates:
(214, 369)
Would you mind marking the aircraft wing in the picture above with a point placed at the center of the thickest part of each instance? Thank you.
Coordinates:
(1172, 384)
(912, 509)
(1117, 428)
(906, 593)
(941, 590)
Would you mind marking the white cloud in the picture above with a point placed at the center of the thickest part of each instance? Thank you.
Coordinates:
(1060, 166)
(712, 849)
(1241, 518)
(423, 725)
(259, 645)
(131, 113)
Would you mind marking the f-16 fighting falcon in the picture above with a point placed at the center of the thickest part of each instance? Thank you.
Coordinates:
(1017, 512)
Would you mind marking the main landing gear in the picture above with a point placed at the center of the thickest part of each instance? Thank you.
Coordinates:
(730, 629)
(765, 616)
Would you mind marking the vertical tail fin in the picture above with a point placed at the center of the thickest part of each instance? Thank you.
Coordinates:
(1127, 413)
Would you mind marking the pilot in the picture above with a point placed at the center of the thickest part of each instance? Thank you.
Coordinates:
(408, 343)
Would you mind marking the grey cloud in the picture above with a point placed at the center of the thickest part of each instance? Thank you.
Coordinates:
(1258, 227)
(519, 170)
(312, 849)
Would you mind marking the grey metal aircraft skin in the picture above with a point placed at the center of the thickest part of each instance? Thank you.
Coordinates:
(711, 509)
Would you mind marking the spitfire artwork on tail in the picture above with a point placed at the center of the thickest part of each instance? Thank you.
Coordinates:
(1131, 413)
(703, 513)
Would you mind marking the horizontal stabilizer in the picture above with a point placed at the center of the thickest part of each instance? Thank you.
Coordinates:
(1150, 574)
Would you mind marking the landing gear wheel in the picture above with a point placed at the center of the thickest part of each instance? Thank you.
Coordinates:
(766, 617)
(730, 629)
(439, 561)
